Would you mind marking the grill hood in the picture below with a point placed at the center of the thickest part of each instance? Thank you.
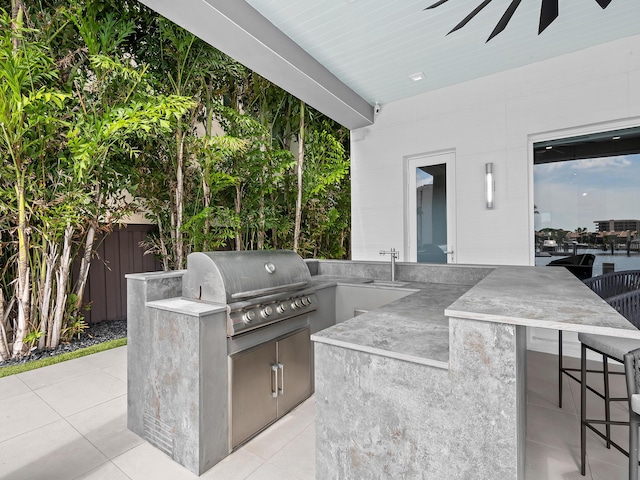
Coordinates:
(230, 277)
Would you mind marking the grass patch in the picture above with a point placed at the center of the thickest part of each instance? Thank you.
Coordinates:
(44, 362)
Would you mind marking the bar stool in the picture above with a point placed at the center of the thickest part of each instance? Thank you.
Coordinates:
(615, 348)
(632, 371)
(607, 286)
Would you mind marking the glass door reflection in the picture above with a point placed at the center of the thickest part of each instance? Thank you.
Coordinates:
(431, 213)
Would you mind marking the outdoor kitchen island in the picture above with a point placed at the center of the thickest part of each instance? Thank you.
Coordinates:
(433, 385)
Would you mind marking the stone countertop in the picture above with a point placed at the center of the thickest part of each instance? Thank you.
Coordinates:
(540, 297)
(186, 306)
(413, 328)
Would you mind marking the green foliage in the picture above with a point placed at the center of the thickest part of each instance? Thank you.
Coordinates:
(32, 338)
(102, 98)
(75, 326)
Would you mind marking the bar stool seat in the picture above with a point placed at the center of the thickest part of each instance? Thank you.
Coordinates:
(614, 347)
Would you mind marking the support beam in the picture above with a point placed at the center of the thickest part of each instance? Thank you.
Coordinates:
(237, 29)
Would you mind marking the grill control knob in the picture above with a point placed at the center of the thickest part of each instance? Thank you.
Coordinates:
(281, 308)
(299, 303)
(266, 311)
(294, 305)
(248, 317)
(306, 301)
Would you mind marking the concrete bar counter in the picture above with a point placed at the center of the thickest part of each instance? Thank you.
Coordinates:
(432, 384)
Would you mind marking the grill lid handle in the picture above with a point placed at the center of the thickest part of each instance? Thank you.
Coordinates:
(268, 290)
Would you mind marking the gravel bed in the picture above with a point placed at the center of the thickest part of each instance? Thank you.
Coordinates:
(96, 333)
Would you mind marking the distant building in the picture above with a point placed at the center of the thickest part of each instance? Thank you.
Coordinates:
(616, 225)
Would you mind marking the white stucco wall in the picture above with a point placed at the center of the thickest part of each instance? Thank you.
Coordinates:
(491, 119)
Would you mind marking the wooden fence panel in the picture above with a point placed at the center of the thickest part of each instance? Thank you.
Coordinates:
(117, 254)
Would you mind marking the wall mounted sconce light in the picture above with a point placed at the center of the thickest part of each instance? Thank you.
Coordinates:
(489, 185)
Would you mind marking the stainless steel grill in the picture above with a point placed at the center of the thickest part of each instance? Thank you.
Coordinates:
(258, 287)
(218, 352)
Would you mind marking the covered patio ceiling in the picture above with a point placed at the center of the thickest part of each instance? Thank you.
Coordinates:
(344, 56)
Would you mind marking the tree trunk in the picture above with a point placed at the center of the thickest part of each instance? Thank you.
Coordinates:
(23, 294)
(261, 222)
(163, 245)
(62, 278)
(179, 247)
(85, 264)
(300, 166)
(206, 199)
(238, 205)
(17, 19)
(4, 345)
(46, 291)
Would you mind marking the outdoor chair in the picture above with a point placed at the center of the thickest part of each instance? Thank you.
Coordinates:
(632, 372)
(606, 286)
(580, 265)
(615, 348)
(614, 283)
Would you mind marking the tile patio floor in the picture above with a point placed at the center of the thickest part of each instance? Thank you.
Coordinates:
(68, 421)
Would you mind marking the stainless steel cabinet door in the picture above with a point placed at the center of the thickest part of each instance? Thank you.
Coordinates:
(294, 376)
(253, 400)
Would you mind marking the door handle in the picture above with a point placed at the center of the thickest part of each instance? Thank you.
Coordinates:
(274, 384)
(281, 389)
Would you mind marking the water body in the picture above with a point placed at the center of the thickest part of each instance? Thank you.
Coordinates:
(619, 258)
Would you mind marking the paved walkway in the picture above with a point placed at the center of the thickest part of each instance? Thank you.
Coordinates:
(68, 421)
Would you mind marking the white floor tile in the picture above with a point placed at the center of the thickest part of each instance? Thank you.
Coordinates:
(145, 462)
(23, 413)
(118, 370)
(274, 438)
(55, 451)
(553, 427)
(549, 463)
(606, 471)
(11, 386)
(298, 456)
(105, 426)
(106, 471)
(237, 466)
(544, 393)
(269, 471)
(82, 392)
(106, 359)
(60, 372)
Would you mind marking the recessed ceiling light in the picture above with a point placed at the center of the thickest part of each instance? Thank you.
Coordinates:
(616, 138)
(416, 77)
(549, 147)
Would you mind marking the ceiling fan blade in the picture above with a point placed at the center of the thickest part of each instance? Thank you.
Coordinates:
(604, 3)
(548, 13)
(502, 24)
(437, 4)
(468, 18)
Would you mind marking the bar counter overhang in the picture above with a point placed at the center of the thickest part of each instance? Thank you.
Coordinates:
(418, 389)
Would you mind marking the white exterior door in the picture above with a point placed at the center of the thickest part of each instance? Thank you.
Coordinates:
(430, 236)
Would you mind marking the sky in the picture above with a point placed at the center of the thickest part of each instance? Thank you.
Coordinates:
(575, 193)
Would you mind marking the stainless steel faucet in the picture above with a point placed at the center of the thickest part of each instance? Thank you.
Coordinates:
(394, 254)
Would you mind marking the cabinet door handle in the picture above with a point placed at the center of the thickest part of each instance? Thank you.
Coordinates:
(281, 389)
(274, 384)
